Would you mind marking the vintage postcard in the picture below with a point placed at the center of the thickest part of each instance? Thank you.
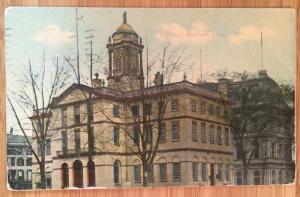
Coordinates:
(127, 97)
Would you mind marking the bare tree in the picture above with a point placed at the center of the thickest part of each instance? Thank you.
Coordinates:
(256, 108)
(32, 97)
(88, 89)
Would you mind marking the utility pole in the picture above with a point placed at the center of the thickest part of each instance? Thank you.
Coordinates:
(90, 42)
(147, 50)
(77, 45)
(201, 66)
(261, 51)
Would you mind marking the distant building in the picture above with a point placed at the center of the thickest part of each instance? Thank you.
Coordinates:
(272, 160)
(19, 162)
(195, 141)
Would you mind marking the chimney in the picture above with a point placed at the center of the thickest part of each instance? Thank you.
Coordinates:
(97, 83)
(158, 80)
(262, 73)
(223, 86)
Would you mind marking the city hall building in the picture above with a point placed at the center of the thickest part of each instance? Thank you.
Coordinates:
(195, 142)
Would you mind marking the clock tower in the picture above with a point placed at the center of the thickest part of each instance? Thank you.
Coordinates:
(125, 50)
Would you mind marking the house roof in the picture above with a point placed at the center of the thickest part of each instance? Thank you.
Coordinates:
(16, 139)
(173, 88)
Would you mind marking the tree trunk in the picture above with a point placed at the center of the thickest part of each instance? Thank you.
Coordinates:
(245, 174)
(144, 172)
(43, 174)
(90, 130)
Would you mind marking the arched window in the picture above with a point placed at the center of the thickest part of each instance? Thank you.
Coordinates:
(29, 161)
(91, 173)
(65, 175)
(117, 172)
(78, 174)
(20, 161)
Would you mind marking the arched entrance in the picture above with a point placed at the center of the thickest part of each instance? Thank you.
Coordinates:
(91, 174)
(78, 174)
(65, 176)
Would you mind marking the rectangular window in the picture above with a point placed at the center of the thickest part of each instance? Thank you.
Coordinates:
(28, 151)
(193, 105)
(150, 176)
(256, 177)
(202, 107)
(195, 171)
(163, 172)
(77, 140)
(238, 154)
(211, 134)
(13, 174)
(137, 173)
(194, 131)
(176, 172)
(20, 175)
(220, 172)
(76, 114)
(203, 171)
(227, 170)
(64, 142)
(37, 127)
(12, 161)
(135, 135)
(219, 134)
(203, 133)
(116, 110)
(175, 131)
(162, 133)
(211, 110)
(226, 113)
(116, 136)
(92, 142)
(218, 111)
(226, 136)
(29, 174)
(135, 110)
(174, 105)
(147, 109)
(39, 150)
(91, 114)
(64, 116)
(48, 147)
(148, 133)
(273, 150)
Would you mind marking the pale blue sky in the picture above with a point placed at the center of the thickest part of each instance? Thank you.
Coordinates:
(229, 38)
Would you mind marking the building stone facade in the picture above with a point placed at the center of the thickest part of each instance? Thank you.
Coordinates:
(196, 147)
(19, 162)
(272, 162)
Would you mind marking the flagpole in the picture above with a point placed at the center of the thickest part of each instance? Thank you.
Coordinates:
(261, 51)
(77, 47)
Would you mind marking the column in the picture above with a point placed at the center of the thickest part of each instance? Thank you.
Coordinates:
(110, 63)
(141, 63)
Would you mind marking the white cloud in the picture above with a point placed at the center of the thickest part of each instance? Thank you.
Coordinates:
(176, 34)
(250, 33)
(53, 36)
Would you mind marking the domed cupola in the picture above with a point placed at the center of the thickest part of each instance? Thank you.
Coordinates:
(125, 32)
(125, 50)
